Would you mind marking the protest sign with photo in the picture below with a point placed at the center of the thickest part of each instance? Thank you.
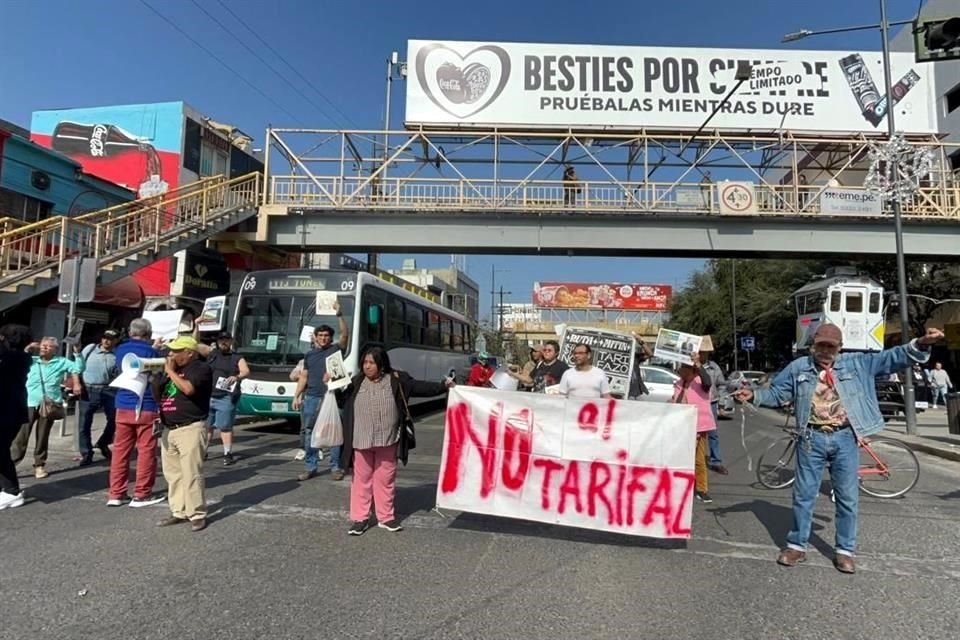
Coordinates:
(676, 346)
(339, 378)
(612, 354)
(610, 465)
(212, 316)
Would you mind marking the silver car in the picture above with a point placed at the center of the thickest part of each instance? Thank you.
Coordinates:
(659, 383)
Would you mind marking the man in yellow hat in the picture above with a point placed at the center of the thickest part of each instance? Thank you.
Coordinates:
(184, 393)
(713, 371)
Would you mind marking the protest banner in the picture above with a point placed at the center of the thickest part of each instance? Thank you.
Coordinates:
(612, 354)
(610, 465)
(676, 346)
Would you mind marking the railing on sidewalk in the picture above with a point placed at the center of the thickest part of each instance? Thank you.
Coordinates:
(120, 231)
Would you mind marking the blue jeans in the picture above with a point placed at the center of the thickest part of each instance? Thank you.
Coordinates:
(95, 398)
(223, 413)
(714, 457)
(939, 393)
(839, 452)
(308, 416)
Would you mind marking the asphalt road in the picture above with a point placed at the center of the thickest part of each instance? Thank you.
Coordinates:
(276, 562)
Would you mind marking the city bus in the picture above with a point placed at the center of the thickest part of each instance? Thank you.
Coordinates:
(842, 297)
(276, 313)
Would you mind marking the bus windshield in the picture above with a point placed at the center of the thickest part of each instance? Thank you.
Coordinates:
(276, 330)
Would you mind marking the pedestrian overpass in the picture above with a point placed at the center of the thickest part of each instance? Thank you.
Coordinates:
(635, 194)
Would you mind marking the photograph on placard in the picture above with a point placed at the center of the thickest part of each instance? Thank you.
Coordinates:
(325, 303)
(339, 378)
(676, 346)
(211, 317)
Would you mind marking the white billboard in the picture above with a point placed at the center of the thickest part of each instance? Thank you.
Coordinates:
(481, 84)
(850, 202)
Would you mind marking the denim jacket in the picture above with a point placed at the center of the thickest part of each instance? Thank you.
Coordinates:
(855, 374)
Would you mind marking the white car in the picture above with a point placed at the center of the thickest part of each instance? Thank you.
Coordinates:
(659, 382)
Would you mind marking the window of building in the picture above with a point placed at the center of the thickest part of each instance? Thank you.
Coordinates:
(23, 207)
(952, 98)
(213, 162)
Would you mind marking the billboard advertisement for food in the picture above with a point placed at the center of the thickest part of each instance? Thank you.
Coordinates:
(592, 86)
(602, 295)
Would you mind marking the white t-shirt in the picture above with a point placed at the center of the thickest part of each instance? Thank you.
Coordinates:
(591, 383)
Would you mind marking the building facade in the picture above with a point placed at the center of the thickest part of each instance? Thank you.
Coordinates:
(457, 290)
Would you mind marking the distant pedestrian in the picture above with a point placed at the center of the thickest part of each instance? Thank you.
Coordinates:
(834, 396)
(136, 415)
(45, 399)
(99, 370)
(941, 383)
(693, 388)
(376, 410)
(14, 367)
(184, 391)
(571, 186)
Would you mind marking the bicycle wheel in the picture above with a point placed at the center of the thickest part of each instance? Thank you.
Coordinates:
(775, 465)
(893, 472)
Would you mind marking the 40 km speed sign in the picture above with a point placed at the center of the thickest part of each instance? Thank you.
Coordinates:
(737, 198)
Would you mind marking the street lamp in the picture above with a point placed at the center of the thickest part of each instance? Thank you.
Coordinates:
(909, 409)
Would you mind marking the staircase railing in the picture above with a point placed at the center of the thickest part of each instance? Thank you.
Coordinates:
(120, 231)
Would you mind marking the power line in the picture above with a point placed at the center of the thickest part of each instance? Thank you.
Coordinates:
(218, 59)
(233, 35)
(289, 66)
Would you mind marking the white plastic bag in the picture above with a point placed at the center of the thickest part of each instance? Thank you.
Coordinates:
(327, 430)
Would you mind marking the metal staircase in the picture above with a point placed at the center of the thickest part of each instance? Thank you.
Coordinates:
(123, 238)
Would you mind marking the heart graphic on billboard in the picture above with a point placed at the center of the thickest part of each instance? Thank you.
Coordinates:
(453, 81)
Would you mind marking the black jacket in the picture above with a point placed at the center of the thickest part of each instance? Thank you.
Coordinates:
(398, 380)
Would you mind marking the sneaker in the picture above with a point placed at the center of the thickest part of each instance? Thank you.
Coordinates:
(703, 497)
(357, 528)
(228, 459)
(105, 452)
(85, 460)
(11, 501)
(306, 475)
(337, 474)
(391, 525)
(301, 454)
(149, 501)
(40, 473)
(118, 502)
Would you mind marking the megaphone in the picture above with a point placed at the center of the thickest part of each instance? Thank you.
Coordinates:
(133, 365)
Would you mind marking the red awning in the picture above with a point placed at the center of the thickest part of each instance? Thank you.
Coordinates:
(124, 292)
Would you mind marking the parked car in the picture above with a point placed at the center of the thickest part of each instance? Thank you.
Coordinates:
(659, 383)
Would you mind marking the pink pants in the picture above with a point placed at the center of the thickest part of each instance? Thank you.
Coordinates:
(133, 432)
(374, 477)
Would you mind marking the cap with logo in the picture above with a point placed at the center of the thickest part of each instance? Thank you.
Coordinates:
(182, 343)
(111, 334)
(828, 334)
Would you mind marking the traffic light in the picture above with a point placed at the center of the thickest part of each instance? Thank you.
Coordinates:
(937, 39)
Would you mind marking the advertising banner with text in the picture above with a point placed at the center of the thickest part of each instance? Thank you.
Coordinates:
(612, 295)
(610, 465)
(557, 85)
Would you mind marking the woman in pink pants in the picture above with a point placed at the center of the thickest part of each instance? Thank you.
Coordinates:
(375, 410)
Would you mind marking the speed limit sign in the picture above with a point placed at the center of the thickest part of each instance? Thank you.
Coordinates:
(737, 198)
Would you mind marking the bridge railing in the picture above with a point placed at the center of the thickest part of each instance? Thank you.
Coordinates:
(589, 196)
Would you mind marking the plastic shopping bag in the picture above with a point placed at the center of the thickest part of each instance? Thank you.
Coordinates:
(328, 429)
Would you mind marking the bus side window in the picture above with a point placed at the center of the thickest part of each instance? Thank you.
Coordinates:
(835, 301)
(375, 323)
(875, 302)
(396, 321)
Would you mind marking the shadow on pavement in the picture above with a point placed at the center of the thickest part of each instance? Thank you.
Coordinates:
(953, 495)
(250, 497)
(777, 520)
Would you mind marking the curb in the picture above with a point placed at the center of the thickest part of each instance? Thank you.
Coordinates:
(925, 445)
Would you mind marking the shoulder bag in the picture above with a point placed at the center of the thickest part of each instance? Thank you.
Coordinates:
(408, 437)
(48, 408)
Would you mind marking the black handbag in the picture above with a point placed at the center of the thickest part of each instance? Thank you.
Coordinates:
(407, 441)
(49, 409)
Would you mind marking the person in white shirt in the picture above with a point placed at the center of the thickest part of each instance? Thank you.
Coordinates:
(941, 382)
(584, 380)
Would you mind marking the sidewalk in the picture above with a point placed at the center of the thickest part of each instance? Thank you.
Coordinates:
(932, 437)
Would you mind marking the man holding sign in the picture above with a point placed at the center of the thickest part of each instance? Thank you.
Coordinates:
(229, 369)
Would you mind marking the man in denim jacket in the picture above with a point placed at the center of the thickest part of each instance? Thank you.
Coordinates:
(836, 404)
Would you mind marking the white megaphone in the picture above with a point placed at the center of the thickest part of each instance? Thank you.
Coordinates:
(133, 365)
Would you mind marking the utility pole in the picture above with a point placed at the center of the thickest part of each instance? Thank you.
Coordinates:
(500, 311)
(733, 310)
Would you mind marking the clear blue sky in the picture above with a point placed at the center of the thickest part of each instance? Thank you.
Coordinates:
(67, 53)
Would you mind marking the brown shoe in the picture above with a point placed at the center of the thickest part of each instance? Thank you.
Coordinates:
(719, 468)
(791, 557)
(198, 525)
(306, 475)
(40, 473)
(172, 520)
(844, 563)
(337, 474)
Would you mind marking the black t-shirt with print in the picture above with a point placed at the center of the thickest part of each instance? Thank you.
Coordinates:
(547, 375)
(224, 366)
(178, 408)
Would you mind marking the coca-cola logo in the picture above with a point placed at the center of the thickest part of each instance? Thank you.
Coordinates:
(98, 138)
(462, 85)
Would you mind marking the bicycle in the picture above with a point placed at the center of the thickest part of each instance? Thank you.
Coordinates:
(888, 468)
